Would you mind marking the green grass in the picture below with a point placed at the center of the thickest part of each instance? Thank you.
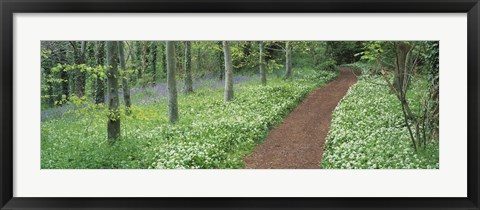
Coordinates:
(209, 134)
(368, 130)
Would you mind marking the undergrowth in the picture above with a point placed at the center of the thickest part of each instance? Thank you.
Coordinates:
(209, 134)
(368, 130)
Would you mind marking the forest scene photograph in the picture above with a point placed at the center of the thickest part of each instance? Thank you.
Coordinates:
(283, 104)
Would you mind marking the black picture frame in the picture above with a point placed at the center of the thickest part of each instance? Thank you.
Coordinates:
(9, 7)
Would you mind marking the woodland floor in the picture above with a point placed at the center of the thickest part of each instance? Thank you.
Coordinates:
(299, 141)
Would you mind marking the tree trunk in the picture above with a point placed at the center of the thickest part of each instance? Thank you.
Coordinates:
(164, 61)
(288, 59)
(144, 64)
(188, 68)
(154, 62)
(49, 84)
(171, 83)
(228, 94)
(64, 74)
(402, 49)
(138, 61)
(221, 63)
(100, 85)
(200, 59)
(125, 87)
(113, 126)
(71, 82)
(79, 56)
(314, 54)
(83, 49)
(263, 73)
(399, 86)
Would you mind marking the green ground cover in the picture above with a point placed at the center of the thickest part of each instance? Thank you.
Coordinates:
(368, 130)
(209, 134)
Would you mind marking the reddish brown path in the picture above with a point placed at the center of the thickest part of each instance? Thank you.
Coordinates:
(299, 141)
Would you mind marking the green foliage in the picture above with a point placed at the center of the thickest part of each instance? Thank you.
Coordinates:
(431, 58)
(431, 102)
(364, 67)
(45, 53)
(328, 65)
(308, 53)
(383, 55)
(63, 100)
(84, 111)
(368, 131)
(94, 72)
(374, 54)
(209, 134)
(343, 52)
(205, 58)
(372, 50)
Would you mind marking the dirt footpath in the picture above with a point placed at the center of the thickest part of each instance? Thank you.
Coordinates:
(298, 142)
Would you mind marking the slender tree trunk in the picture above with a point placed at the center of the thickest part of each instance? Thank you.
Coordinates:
(138, 61)
(125, 87)
(113, 126)
(100, 85)
(90, 61)
(405, 117)
(399, 86)
(199, 59)
(314, 55)
(71, 82)
(79, 56)
(288, 64)
(50, 99)
(221, 63)
(83, 49)
(65, 89)
(154, 62)
(263, 73)
(171, 83)
(246, 52)
(144, 64)
(164, 61)
(188, 68)
(228, 95)
(402, 49)
(64, 74)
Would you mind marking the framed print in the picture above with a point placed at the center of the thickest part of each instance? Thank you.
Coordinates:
(239, 105)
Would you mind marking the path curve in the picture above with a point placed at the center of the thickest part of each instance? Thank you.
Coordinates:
(299, 141)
